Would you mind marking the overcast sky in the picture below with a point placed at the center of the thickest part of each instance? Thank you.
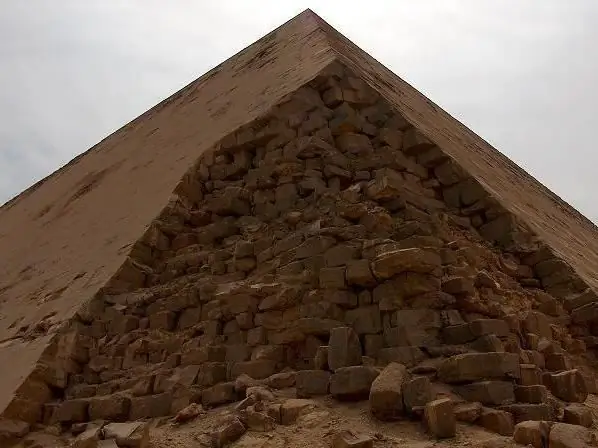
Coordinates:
(522, 74)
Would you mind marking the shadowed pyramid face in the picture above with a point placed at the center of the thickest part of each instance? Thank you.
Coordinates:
(345, 202)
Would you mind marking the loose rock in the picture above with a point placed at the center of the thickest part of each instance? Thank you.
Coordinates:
(310, 383)
(352, 383)
(440, 418)
(188, 413)
(386, 393)
(291, 409)
(534, 433)
(417, 392)
(351, 439)
(227, 433)
(578, 414)
(500, 422)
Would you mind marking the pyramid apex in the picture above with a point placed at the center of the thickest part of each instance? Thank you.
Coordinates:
(309, 14)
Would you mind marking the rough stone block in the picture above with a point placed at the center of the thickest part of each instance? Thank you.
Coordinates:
(530, 375)
(364, 320)
(537, 323)
(532, 357)
(417, 327)
(488, 392)
(389, 264)
(457, 334)
(415, 143)
(293, 408)
(439, 416)
(89, 438)
(557, 362)
(256, 336)
(487, 343)
(354, 143)
(458, 286)
(112, 407)
(534, 433)
(209, 373)
(238, 353)
(578, 414)
(528, 411)
(341, 255)
(449, 173)
(468, 412)
(351, 439)
(130, 435)
(410, 356)
(71, 411)
(257, 421)
(476, 366)
(386, 393)
(332, 278)
(313, 246)
(373, 343)
(258, 369)
(271, 352)
(162, 320)
(281, 380)
(352, 383)
(227, 433)
(150, 406)
(500, 422)
(144, 386)
(311, 383)
(499, 230)
(321, 358)
(531, 394)
(391, 294)
(358, 273)
(386, 185)
(344, 348)
(417, 392)
(219, 394)
(189, 318)
(579, 300)
(568, 386)
(483, 327)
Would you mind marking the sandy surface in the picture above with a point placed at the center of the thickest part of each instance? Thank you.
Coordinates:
(317, 429)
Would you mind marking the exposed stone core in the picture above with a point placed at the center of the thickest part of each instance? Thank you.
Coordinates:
(334, 211)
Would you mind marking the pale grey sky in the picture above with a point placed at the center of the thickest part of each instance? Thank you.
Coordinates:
(522, 74)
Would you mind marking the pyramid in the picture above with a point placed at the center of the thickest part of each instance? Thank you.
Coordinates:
(297, 208)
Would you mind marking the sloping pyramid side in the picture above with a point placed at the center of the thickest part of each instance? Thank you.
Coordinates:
(569, 234)
(65, 237)
(330, 211)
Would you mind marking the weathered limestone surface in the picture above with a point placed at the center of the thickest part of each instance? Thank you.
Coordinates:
(328, 246)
